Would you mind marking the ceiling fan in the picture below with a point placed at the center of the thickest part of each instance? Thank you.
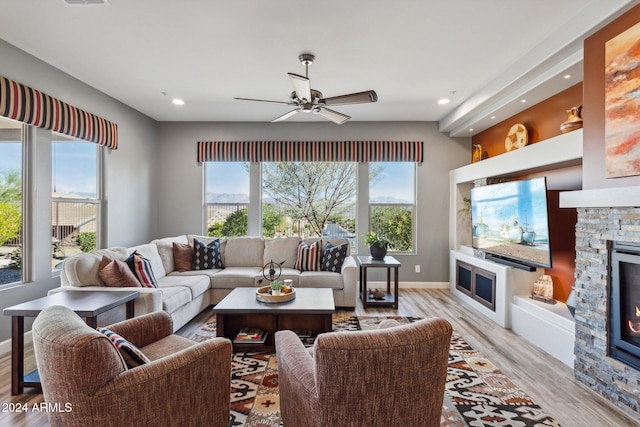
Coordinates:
(307, 100)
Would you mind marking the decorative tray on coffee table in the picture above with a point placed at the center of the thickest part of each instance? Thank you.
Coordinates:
(264, 294)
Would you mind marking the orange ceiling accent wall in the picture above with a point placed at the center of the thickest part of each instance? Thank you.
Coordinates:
(542, 120)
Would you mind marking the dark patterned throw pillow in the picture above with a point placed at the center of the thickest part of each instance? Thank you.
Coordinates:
(206, 256)
(333, 257)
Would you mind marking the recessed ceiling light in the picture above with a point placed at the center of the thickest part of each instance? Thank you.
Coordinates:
(178, 101)
(493, 117)
(567, 76)
(523, 100)
(444, 101)
(470, 129)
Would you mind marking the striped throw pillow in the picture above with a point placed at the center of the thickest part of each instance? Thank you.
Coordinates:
(141, 268)
(130, 353)
(309, 256)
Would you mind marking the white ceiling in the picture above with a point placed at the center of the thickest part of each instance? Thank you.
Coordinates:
(483, 54)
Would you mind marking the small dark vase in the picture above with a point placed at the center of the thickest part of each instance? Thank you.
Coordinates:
(378, 251)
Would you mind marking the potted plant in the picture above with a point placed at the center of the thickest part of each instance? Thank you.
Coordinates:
(276, 287)
(377, 245)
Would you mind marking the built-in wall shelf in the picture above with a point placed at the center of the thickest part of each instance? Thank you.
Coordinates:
(562, 151)
(554, 153)
(549, 327)
(508, 282)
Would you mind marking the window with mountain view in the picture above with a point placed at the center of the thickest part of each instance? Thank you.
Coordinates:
(392, 203)
(11, 201)
(75, 198)
(227, 198)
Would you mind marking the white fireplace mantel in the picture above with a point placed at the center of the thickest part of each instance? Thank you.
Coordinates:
(619, 197)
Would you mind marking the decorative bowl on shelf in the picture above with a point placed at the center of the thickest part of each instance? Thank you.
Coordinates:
(263, 294)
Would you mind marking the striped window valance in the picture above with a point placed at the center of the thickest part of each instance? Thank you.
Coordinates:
(27, 105)
(310, 151)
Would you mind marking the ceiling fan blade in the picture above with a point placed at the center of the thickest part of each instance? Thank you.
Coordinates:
(302, 86)
(334, 116)
(352, 98)
(265, 100)
(284, 116)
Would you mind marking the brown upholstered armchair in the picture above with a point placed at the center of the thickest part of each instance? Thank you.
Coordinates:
(185, 383)
(392, 376)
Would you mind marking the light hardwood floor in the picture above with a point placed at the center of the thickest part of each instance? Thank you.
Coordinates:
(549, 382)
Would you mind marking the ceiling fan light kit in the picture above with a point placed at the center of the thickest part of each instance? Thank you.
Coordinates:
(308, 100)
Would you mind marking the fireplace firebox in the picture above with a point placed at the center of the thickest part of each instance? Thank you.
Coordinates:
(624, 308)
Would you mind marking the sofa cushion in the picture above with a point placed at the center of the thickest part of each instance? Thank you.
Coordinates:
(309, 256)
(333, 257)
(197, 284)
(320, 279)
(286, 273)
(131, 354)
(150, 252)
(182, 256)
(165, 250)
(206, 256)
(235, 277)
(141, 268)
(281, 249)
(116, 273)
(82, 269)
(174, 297)
(244, 252)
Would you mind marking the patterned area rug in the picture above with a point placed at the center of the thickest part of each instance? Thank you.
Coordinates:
(477, 393)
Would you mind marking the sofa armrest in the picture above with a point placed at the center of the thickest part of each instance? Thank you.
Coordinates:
(163, 389)
(350, 281)
(296, 377)
(145, 329)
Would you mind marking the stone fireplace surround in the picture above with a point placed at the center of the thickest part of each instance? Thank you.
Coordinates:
(596, 228)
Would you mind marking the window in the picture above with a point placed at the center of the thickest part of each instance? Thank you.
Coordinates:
(309, 199)
(11, 201)
(392, 203)
(75, 198)
(226, 198)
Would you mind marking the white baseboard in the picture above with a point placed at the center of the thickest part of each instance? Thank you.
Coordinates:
(409, 285)
(5, 346)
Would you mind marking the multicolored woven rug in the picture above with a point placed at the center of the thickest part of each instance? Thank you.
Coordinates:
(477, 393)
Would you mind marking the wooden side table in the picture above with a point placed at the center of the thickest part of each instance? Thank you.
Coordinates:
(87, 304)
(390, 263)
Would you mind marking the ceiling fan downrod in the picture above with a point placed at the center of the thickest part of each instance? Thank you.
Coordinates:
(306, 59)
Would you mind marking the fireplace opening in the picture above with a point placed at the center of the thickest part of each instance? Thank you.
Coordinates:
(624, 308)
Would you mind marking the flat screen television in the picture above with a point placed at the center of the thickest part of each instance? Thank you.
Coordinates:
(511, 223)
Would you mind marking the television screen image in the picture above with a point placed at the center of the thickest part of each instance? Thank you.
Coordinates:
(510, 220)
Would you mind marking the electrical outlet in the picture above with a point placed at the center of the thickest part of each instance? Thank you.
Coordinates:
(417, 268)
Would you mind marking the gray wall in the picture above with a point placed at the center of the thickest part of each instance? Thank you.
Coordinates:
(131, 167)
(179, 192)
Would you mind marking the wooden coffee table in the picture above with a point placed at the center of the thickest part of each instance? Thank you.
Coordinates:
(311, 309)
(87, 304)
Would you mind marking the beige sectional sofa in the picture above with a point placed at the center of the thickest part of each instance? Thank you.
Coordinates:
(185, 294)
